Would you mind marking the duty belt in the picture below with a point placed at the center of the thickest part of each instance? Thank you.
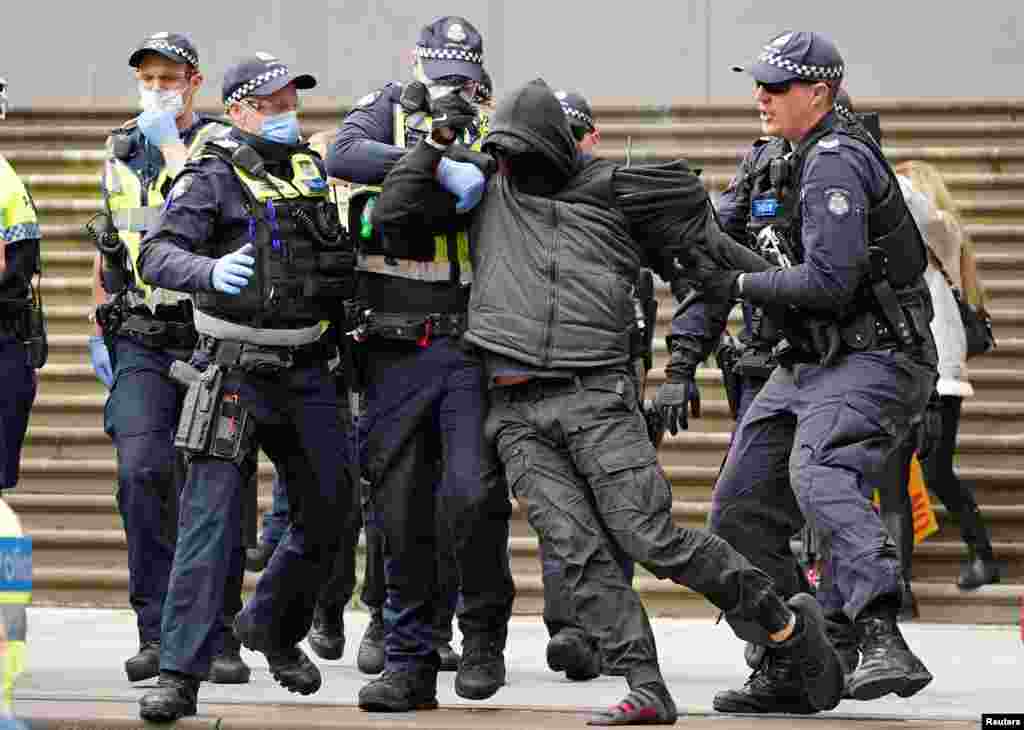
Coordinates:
(419, 328)
(158, 334)
(265, 359)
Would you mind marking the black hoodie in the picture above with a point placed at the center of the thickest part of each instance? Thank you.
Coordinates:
(555, 259)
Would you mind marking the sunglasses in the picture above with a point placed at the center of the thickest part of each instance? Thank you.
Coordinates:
(778, 88)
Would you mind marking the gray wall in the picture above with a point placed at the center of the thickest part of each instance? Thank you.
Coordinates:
(649, 51)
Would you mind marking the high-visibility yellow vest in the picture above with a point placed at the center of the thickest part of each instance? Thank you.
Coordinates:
(135, 208)
(18, 219)
(439, 268)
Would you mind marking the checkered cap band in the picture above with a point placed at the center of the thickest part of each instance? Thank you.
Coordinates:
(256, 82)
(449, 54)
(176, 50)
(577, 114)
(803, 70)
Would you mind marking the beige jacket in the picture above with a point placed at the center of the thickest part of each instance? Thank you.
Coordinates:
(945, 241)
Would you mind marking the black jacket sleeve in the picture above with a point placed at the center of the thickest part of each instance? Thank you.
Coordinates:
(411, 197)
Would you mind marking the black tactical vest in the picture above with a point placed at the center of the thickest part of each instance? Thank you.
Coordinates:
(303, 253)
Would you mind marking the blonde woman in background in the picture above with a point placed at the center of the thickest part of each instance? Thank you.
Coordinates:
(951, 261)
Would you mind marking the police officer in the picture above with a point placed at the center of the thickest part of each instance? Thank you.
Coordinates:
(425, 396)
(148, 329)
(22, 327)
(857, 366)
(554, 328)
(248, 228)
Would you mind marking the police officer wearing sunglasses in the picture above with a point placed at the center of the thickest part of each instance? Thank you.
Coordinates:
(857, 364)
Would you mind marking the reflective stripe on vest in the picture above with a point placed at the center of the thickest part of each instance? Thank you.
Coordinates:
(440, 269)
(124, 198)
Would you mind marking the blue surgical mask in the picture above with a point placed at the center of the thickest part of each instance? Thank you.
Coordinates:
(282, 128)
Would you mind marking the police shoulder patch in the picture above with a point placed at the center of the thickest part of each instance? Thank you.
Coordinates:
(368, 99)
(830, 143)
(837, 201)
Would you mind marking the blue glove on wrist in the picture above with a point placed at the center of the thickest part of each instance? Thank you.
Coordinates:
(463, 180)
(233, 271)
(100, 359)
(159, 126)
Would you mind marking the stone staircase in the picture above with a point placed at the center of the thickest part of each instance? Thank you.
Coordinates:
(65, 497)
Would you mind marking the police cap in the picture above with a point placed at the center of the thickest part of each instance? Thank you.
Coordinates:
(576, 109)
(173, 46)
(260, 75)
(451, 46)
(797, 55)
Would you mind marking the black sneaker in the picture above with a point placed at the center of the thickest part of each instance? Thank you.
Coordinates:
(401, 691)
(482, 671)
(774, 686)
(293, 670)
(813, 655)
(173, 697)
(228, 667)
(370, 659)
(145, 664)
(450, 658)
(648, 704)
(887, 664)
(327, 635)
(571, 652)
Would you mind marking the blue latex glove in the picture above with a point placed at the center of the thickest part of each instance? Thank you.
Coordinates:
(100, 359)
(233, 271)
(463, 180)
(159, 126)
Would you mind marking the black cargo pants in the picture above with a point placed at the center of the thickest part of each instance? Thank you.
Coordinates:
(576, 451)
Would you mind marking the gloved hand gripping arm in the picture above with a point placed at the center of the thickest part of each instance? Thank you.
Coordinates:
(680, 392)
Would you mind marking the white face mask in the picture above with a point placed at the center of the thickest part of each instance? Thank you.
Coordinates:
(167, 100)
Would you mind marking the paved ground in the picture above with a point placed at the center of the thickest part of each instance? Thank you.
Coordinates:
(75, 680)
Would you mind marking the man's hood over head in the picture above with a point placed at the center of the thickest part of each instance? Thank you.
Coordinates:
(530, 119)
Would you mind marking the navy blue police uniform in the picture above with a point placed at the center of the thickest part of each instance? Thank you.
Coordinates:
(263, 354)
(857, 367)
(425, 398)
(147, 330)
(19, 236)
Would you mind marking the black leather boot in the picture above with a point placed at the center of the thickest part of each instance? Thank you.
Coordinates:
(773, 686)
(980, 567)
(293, 670)
(978, 570)
(482, 671)
(571, 652)
(401, 691)
(370, 659)
(811, 652)
(327, 635)
(887, 664)
(145, 664)
(228, 667)
(173, 697)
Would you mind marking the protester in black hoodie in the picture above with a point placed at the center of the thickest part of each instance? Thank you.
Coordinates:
(557, 242)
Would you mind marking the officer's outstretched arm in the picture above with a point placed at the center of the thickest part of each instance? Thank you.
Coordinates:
(166, 254)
